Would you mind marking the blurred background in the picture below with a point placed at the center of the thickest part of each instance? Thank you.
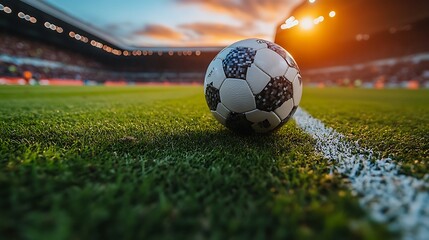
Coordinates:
(354, 43)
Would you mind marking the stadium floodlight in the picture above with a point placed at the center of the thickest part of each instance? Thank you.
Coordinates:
(307, 23)
(7, 10)
(289, 23)
(318, 20)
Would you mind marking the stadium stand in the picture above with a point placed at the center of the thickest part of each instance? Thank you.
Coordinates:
(40, 41)
(410, 72)
(37, 38)
(23, 47)
(19, 54)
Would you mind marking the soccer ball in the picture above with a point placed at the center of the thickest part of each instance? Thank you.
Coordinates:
(252, 86)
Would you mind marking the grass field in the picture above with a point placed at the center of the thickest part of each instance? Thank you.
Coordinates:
(394, 122)
(151, 162)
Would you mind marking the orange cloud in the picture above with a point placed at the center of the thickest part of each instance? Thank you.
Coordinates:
(214, 32)
(158, 31)
(196, 34)
(255, 18)
(248, 10)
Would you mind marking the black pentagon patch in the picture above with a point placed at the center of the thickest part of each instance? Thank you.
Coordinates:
(237, 61)
(212, 96)
(277, 91)
(238, 122)
(264, 124)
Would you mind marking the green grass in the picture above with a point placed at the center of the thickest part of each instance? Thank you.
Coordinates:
(149, 162)
(394, 122)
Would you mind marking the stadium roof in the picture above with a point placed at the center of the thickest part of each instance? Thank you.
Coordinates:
(55, 12)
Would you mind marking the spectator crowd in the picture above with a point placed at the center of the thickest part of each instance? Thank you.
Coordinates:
(23, 57)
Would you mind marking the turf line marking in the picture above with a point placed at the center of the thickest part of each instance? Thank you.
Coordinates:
(390, 197)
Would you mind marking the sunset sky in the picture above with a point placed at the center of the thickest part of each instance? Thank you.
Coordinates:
(181, 22)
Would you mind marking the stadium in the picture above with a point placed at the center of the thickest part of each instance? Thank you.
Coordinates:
(156, 120)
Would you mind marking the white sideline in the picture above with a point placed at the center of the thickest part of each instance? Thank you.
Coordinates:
(390, 197)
